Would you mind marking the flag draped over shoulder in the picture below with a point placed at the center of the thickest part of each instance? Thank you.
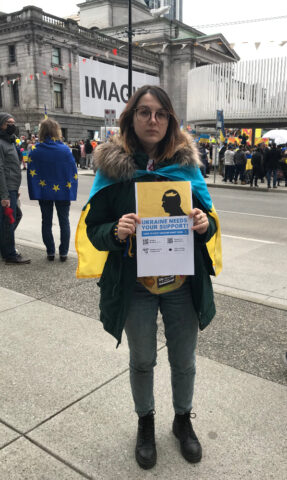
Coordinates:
(91, 261)
(52, 172)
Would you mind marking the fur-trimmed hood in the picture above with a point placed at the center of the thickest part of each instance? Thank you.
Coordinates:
(114, 162)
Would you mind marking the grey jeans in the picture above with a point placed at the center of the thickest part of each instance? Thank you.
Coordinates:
(181, 328)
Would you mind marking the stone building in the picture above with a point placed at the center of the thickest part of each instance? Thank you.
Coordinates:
(75, 70)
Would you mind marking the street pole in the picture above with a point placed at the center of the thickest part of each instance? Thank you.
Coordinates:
(130, 36)
(215, 155)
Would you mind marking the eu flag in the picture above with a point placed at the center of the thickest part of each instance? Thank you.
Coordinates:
(52, 172)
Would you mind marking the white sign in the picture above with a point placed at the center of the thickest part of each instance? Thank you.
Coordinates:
(165, 246)
(104, 86)
(110, 117)
(164, 243)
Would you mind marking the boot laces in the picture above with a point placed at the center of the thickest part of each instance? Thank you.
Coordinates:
(186, 426)
(147, 427)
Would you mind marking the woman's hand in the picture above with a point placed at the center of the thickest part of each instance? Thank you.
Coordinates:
(5, 203)
(127, 225)
(200, 221)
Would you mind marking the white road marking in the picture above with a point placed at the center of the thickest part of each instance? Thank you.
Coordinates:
(251, 239)
(251, 214)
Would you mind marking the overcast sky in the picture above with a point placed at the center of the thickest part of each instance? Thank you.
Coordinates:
(267, 34)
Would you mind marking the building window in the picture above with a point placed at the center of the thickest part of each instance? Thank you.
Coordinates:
(56, 56)
(15, 93)
(1, 101)
(58, 95)
(91, 134)
(64, 134)
(12, 53)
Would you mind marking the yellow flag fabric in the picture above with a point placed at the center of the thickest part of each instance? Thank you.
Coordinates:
(221, 136)
(214, 245)
(91, 261)
(248, 164)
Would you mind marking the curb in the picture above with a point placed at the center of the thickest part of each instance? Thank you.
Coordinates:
(253, 297)
(246, 187)
(216, 185)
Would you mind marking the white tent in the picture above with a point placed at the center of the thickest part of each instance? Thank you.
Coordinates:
(278, 136)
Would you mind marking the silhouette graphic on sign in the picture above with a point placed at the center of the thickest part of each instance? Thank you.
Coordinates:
(171, 203)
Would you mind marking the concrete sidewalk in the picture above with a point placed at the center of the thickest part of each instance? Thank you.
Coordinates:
(66, 410)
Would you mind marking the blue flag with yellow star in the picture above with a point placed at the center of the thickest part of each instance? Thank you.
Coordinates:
(52, 172)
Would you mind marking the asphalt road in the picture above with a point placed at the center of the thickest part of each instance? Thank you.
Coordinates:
(254, 238)
(251, 214)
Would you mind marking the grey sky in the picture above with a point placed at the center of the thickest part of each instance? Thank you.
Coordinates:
(267, 35)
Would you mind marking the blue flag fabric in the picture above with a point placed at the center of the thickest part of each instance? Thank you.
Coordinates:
(91, 261)
(52, 172)
(172, 172)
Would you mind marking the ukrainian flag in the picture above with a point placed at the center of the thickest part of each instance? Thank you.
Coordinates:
(91, 261)
(220, 125)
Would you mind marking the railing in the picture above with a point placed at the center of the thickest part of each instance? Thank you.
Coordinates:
(56, 21)
(37, 14)
(248, 89)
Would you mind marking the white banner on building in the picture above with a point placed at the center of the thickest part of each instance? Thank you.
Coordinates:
(104, 86)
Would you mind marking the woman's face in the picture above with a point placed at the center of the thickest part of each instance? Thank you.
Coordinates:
(150, 121)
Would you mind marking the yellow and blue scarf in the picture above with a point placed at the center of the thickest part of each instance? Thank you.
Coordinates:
(91, 261)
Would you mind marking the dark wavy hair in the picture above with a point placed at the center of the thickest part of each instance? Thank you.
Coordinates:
(173, 137)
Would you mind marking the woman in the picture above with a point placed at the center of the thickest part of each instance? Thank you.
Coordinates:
(229, 164)
(151, 146)
(53, 180)
(89, 153)
(256, 161)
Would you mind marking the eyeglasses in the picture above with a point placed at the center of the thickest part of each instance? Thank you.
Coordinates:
(144, 114)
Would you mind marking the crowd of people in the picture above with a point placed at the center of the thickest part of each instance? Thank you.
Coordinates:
(82, 150)
(249, 165)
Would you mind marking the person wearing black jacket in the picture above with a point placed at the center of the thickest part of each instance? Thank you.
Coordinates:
(240, 164)
(76, 152)
(256, 161)
(89, 151)
(272, 160)
(10, 180)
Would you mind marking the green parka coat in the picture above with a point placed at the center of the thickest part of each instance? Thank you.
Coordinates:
(119, 276)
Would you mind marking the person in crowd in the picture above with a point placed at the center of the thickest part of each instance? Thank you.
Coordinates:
(151, 148)
(272, 159)
(243, 137)
(89, 153)
(10, 180)
(204, 159)
(283, 167)
(229, 164)
(83, 155)
(256, 161)
(76, 151)
(240, 164)
(94, 143)
(53, 180)
(221, 153)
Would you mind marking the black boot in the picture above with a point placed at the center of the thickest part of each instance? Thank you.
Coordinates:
(189, 444)
(145, 447)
